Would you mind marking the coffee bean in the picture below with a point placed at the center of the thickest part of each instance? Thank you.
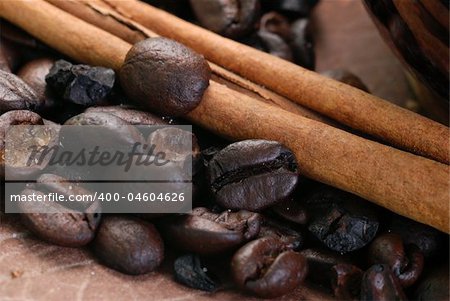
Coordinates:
(27, 143)
(15, 94)
(129, 114)
(57, 224)
(115, 132)
(265, 268)
(277, 24)
(346, 281)
(379, 284)
(128, 245)
(426, 238)
(406, 262)
(346, 77)
(322, 261)
(291, 210)
(173, 90)
(34, 73)
(190, 272)
(172, 141)
(230, 18)
(302, 44)
(341, 221)
(16, 117)
(51, 183)
(205, 232)
(252, 175)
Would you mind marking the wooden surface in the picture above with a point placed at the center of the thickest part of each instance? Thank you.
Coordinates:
(33, 270)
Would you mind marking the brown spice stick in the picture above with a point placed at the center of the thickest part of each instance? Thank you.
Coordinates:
(348, 105)
(404, 183)
(103, 16)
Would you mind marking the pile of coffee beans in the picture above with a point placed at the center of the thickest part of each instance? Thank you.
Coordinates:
(256, 221)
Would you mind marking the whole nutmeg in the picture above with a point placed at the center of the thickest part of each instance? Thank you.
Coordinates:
(165, 76)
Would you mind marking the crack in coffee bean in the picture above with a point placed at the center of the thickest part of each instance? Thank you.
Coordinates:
(58, 224)
(378, 283)
(406, 262)
(205, 232)
(264, 267)
(15, 94)
(267, 166)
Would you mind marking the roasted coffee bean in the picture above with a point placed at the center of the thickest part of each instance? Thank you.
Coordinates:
(114, 130)
(51, 183)
(275, 45)
(34, 73)
(265, 268)
(205, 232)
(252, 175)
(190, 272)
(434, 286)
(173, 90)
(379, 284)
(406, 262)
(346, 77)
(129, 245)
(29, 144)
(172, 141)
(129, 114)
(427, 239)
(302, 44)
(346, 281)
(291, 210)
(341, 221)
(230, 18)
(16, 117)
(277, 24)
(57, 224)
(15, 94)
(291, 239)
(80, 84)
(322, 262)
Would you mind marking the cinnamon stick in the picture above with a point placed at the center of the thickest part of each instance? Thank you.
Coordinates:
(103, 16)
(409, 185)
(348, 105)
